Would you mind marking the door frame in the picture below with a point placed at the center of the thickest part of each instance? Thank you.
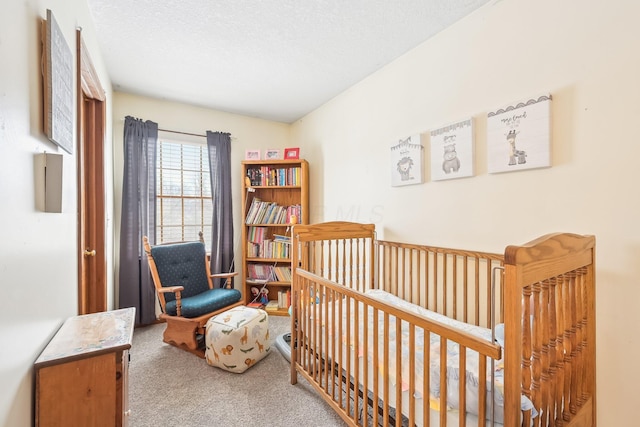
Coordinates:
(91, 124)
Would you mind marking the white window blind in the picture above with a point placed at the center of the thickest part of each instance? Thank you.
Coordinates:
(183, 191)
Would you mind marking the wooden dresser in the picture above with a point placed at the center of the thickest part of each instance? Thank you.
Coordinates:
(81, 376)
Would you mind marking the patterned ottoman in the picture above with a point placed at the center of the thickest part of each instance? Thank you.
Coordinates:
(237, 339)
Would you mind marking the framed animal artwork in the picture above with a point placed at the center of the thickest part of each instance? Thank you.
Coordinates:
(452, 151)
(406, 162)
(519, 136)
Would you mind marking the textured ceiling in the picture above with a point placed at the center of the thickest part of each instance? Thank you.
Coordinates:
(273, 59)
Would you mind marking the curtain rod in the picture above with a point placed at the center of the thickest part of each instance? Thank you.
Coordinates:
(188, 133)
(182, 133)
(185, 133)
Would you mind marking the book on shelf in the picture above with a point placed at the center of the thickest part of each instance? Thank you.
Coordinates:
(259, 273)
(255, 176)
(281, 238)
(272, 305)
(262, 208)
(274, 176)
(253, 210)
(256, 304)
(284, 299)
(274, 215)
(282, 273)
(261, 212)
(268, 249)
(256, 234)
(253, 250)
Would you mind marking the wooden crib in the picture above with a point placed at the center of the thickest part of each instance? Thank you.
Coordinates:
(369, 329)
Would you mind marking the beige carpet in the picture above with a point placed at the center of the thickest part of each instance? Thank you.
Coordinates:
(171, 387)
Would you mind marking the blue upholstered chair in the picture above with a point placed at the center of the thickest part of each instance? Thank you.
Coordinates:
(186, 292)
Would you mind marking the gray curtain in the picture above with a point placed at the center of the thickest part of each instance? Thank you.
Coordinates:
(219, 146)
(135, 286)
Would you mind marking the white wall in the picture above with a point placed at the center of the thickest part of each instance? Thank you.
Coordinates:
(246, 133)
(38, 251)
(586, 55)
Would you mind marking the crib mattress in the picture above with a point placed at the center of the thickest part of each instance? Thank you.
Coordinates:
(346, 339)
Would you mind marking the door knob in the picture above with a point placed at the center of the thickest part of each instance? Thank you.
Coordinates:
(88, 252)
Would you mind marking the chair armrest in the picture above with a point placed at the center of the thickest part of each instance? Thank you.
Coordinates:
(226, 276)
(178, 291)
(174, 289)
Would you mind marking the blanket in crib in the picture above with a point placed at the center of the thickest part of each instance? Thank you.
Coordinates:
(472, 371)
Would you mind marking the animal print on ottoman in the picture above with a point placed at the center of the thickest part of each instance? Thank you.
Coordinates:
(237, 339)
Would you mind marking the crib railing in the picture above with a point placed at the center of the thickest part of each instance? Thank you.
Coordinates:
(365, 370)
(452, 282)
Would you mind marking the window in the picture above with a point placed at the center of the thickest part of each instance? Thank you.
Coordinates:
(184, 206)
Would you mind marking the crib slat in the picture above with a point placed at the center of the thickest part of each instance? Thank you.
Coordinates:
(526, 340)
(376, 361)
(426, 407)
(398, 361)
(436, 269)
(462, 386)
(580, 339)
(574, 382)
(556, 345)
(412, 368)
(568, 341)
(482, 391)
(454, 282)
(443, 381)
(536, 393)
(487, 279)
(385, 360)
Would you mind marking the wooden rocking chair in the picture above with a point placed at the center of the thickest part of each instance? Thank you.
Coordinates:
(185, 290)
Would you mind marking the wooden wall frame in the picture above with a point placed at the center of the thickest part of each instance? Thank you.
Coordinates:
(57, 76)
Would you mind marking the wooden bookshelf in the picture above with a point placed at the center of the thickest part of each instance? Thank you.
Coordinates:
(275, 194)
